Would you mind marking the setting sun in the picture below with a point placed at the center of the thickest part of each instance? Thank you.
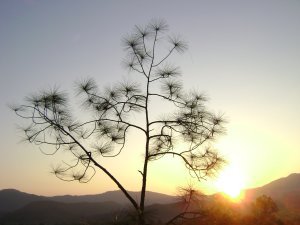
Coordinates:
(231, 182)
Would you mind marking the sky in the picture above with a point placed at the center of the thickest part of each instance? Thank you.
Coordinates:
(244, 55)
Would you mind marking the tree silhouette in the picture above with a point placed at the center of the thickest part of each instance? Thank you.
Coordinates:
(192, 212)
(188, 122)
(264, 211)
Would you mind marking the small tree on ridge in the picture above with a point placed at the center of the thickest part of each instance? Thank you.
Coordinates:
(189, 122)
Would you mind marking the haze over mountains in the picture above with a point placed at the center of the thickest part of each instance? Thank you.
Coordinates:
(11, 199)
(284, 191)
(19, 207)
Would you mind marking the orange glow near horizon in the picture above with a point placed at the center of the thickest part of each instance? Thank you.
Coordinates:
(237, 198)
(231, 182)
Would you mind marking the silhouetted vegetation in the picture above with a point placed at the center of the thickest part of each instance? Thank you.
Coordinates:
(221, 211)
(113, 110)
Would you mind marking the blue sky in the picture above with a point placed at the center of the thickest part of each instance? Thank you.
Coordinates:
(243, 54)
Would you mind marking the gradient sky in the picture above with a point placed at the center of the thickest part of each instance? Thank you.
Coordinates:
(245, 55)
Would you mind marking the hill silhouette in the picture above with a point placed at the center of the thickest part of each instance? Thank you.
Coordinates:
(117, 196)
(11, 199)
(285, 191)
(51, 212)
(279, 187)
(19, 207)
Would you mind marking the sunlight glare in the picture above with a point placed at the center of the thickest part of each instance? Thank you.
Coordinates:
(231, 182)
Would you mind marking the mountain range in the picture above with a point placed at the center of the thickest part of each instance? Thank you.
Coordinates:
(18, 207)
(11, 199)
(284, 191)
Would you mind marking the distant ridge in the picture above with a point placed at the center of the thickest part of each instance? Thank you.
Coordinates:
(285, 191)
(19, 207)
(22, 208)
(117, 196)
(278, 187)
(285, 184)
(11, 199)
